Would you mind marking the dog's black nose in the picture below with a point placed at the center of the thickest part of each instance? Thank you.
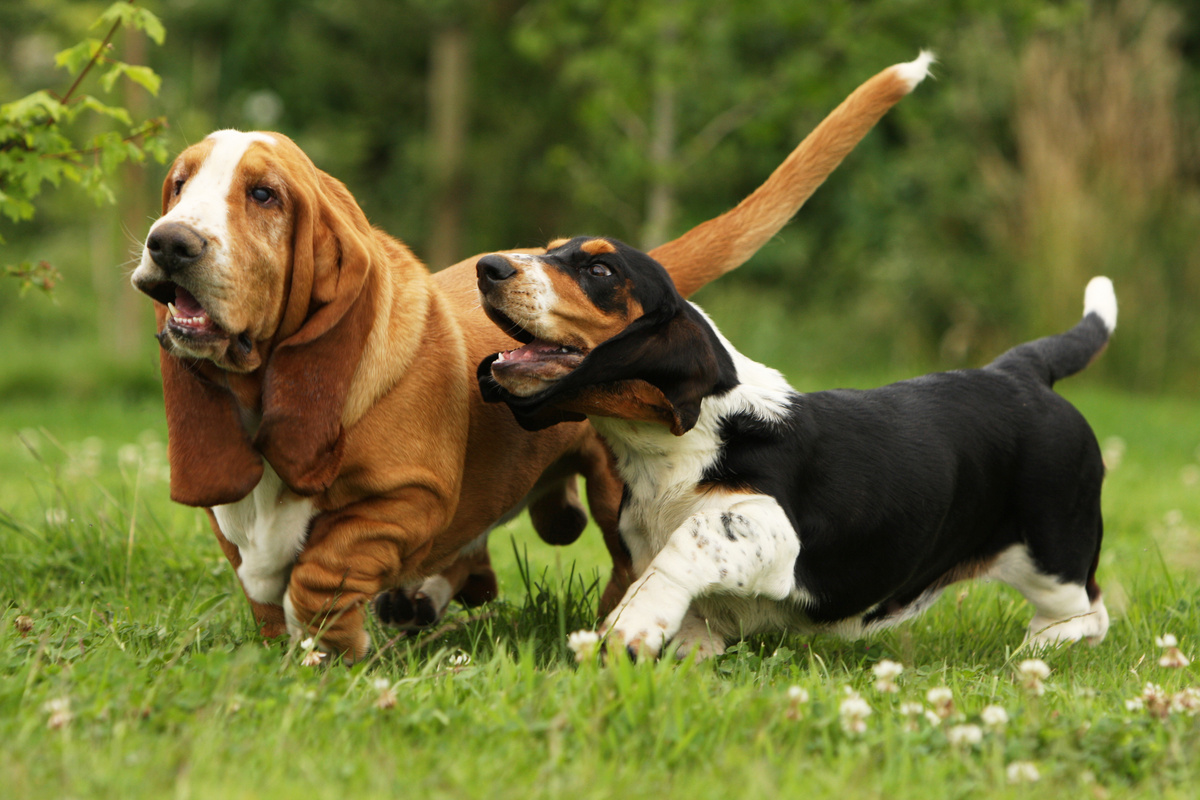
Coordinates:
(174, 246)
(494, 269)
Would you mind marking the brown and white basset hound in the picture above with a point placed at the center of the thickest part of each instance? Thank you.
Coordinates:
(320, 386)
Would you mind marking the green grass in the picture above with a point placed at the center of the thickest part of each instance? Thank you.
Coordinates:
(139, 625)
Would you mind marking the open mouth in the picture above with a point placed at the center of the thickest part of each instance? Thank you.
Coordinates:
(186, 317)
(534, 352)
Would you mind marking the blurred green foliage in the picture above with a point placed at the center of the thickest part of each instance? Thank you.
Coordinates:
(44, 137)
(1056, 142)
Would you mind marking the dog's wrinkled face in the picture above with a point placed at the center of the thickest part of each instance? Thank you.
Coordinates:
(218, 256)
(561, 305)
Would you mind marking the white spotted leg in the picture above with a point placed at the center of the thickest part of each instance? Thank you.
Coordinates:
(747, 549)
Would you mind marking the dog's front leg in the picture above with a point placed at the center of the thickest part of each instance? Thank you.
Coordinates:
(746, 549)
(353, 554)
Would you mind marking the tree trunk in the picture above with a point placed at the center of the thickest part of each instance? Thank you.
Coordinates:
(660, 194)
(448, 95)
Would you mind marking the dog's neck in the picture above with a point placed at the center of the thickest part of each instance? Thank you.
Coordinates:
(648, 453)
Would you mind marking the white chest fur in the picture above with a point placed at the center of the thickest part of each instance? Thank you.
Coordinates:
(269, 527)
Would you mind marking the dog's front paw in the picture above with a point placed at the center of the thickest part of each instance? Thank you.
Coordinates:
(639, 638)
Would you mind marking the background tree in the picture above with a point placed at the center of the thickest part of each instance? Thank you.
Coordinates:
(46, 137)
(1057, 140)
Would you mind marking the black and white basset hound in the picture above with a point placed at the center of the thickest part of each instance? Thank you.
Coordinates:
(750, 506)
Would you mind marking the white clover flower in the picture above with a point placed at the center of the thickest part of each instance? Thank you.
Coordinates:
(1186, 702)
(312, 656)
(964, 735)
(933, 719)
(942, 700)
(994, 716)
(1033, 671)
(886, 673)
(854, 712)
(59, 710)
(584, 644)
(460, 659)
(1022, 772)
(1156, 701)
(1135, 704)
(387, 698)
(1173, 658)
(797, 694)
(381, 684)
(1034, 668)
(940, 695)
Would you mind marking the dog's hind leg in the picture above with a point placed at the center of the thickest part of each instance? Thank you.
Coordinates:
(469, 579)
(696, 640)
(1065, 611)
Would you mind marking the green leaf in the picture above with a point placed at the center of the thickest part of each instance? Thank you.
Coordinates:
(113, 112)
(30, 107)
(145, 77)
(151, 25)
(119, 12)
(109, 79)
(132, 16)
(76, 58)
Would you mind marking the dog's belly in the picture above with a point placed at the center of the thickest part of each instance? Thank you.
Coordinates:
(735, 617)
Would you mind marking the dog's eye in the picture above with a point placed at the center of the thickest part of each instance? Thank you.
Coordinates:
(599, 271)
(262, 195)
(179, 185)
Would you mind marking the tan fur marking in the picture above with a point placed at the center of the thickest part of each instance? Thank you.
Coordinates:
(577, 320)
(557, 243)
(636, 401)
(597, 247)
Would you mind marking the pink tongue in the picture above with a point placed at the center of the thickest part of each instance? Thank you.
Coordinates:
(188, 305)
(530, 351)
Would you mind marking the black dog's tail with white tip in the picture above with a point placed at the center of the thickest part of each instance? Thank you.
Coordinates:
(1056, 357)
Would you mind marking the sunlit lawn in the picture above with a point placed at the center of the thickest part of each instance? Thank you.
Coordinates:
(143, 676)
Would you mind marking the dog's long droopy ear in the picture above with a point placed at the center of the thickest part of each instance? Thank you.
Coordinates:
(636, 401)
(675, 350)
(212, 460)
(211, 457)
(658, 369)
(326, 320)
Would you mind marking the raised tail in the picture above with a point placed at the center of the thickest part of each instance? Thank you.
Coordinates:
(1056, 357)
(715, 247)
